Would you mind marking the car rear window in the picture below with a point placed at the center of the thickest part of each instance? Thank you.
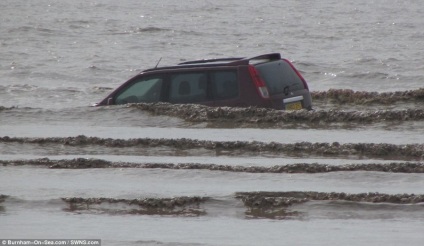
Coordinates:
(279, 77)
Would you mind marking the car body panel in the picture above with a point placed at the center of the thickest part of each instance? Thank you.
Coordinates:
(218, 82)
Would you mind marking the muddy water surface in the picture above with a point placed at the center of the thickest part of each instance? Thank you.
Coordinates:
(349, 172)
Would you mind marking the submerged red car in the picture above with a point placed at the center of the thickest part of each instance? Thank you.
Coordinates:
(263, 81)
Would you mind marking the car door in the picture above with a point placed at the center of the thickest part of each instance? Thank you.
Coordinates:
(189, 87)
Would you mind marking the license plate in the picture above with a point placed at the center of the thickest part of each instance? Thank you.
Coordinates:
(294, 106)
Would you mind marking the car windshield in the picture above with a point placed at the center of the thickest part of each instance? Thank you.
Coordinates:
(279, 77)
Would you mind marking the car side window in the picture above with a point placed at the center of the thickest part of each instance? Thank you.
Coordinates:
(188, 87)
(224, 84)
(144, 89)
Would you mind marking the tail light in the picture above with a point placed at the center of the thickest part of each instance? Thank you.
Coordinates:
(260, 84)
(298, 74)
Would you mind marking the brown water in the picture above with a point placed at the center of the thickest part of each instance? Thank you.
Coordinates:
(350, 172)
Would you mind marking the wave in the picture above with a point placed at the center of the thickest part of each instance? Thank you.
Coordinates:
(275, 205)
(22, 88)
(261, 204)
(182, 206)
(200, 113)
(151, 29)
(2, 108)
(175, 206)
(250, 199)
(251, 115)
(364, 97)
(83, 163)
(328, 149)
(331, 114)
(266, 199)
(26, 29)
(369, 75)
(3, 198)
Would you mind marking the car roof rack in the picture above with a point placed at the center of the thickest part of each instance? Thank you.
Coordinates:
(270, 57)
(262, 58)
(223, 61)
(235, 60)
(211, 60)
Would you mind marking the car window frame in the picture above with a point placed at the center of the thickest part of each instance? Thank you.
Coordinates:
(210, 92)
(166, 84)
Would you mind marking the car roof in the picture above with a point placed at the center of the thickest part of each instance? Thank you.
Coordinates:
(232, 61)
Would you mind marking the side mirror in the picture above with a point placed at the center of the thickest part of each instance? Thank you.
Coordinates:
(109, 101)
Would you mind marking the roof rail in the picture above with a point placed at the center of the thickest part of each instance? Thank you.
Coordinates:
(258, 59)
(211, 60)
(230, 61)
(270, 56)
